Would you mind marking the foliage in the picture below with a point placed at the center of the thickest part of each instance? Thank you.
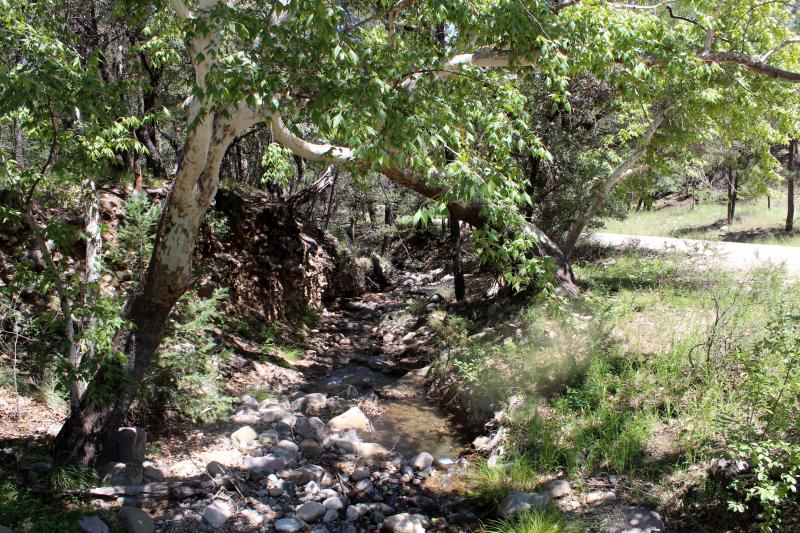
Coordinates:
(135, 234)
(771, 484)
(187, 377)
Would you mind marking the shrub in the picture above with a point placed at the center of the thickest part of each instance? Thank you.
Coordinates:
(187, 375)
(770, 486)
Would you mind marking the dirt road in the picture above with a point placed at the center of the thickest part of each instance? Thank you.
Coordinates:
(729, 255)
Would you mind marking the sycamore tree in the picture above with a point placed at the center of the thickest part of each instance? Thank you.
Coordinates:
(430, 94)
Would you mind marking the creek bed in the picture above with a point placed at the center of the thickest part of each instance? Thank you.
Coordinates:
(409, 423)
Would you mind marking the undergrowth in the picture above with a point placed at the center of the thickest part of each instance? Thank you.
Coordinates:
(656, 369)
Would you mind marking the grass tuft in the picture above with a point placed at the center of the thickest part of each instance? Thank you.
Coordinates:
(547, 520)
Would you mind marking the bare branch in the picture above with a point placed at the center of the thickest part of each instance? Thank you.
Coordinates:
(778, 48)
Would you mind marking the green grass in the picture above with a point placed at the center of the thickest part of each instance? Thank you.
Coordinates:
(537, 521)
(643, 377)
(754, 222)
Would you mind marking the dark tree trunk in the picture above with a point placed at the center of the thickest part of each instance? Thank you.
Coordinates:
(732, 182)
(458, 270)
(790, 187)
(329, 208)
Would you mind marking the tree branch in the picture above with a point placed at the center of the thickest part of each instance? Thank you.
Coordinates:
(751, 63)
(778, 48)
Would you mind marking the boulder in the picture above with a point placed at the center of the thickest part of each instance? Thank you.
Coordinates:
(136, 520)
(405, 523)
(91, 524)
(353, 418)
(217, 514)
(517, 501)
(310, 512)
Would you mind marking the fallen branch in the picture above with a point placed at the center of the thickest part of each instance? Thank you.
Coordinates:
(160, 490)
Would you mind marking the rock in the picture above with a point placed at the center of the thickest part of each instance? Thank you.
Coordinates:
(310, 512)
(422, 460)
(330, 516)
(354, 512)
(304, 474)
(312, 487)
(364, 486)
(136, 520)
(311, 404)
(360, 473)
(343, 390)
(423, 502)
(286, 449)
(310, 428)
(638, 520)
(129, 445)
(249, 402)
(310, 448)
(120, 474)
(288, 525)
(405, 523)
(558, 488)
(272, 414)
(599, 497)
(517, 501)
(267, 464)
(89, 524)
(217, 513)
(370, 450)
(353, 418)
(4, 529)
(244, 436)
(215, 468)
(334, 502)
(152, 473)
(184, 469)
(268, 438)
